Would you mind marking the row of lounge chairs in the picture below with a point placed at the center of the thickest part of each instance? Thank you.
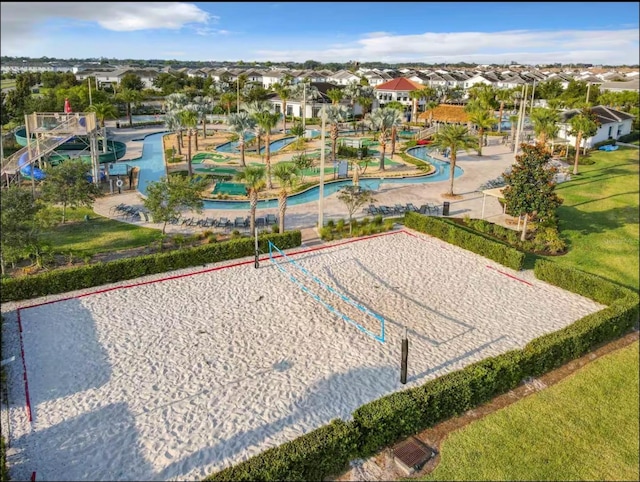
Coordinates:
(225, 223)
(129, 212)
(400, 209)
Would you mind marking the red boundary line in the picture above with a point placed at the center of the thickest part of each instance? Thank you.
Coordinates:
(24, 367)
(510, 275)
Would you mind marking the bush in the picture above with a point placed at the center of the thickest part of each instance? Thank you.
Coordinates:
(70, 279)
(633, 136)
(454, 234)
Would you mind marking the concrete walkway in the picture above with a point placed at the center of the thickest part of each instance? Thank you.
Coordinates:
(477, 170)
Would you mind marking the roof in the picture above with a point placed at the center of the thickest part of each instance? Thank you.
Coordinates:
(605, 115)
(400, 84)
(446, 113)
(628, 85)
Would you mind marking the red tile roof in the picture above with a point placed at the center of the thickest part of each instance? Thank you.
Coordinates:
(400, 84)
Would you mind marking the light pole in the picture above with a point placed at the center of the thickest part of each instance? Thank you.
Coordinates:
(321, 187)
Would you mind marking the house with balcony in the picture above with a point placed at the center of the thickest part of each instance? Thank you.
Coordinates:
(398, 90)
(613, 125)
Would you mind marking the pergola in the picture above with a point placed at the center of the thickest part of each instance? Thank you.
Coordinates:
(495, 192)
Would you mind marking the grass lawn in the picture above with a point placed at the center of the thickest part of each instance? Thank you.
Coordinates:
(6, 83)
(584, 428)
(99, 235)
(599, 217)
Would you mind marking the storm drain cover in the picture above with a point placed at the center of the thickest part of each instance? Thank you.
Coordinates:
(412, 454)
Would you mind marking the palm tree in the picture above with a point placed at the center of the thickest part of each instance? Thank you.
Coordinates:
(483, 121)
(334, 115)
(173, 124)
(582, 125)
(415, 96)
(253, 107)
(285, 173)
(175, 102)
(104, 111)
(336, 95)
(204, 107)
(241, 124)
(253, 177)
(383, 120)
(502, 96)
(228, 99)
(513, 121)
(454, 138)
(267, 120)
(545, 124)
(283, 89)
(200, 114)
(394, 129)
(129, 96)
(189, 119)
(432, 104)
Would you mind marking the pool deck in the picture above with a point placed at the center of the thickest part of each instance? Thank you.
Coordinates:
(477, 170)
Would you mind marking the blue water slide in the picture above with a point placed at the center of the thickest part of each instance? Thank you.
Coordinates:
(28, 170)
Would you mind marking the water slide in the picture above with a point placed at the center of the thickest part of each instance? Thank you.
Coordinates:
(27, 170)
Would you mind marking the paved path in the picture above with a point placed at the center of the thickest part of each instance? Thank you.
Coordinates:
(477, 170)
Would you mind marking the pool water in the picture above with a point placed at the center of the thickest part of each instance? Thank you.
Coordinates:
(143, 118)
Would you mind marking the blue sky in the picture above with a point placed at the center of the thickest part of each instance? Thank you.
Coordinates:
(482, 32)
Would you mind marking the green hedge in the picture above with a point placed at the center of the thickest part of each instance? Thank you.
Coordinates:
(384, 421)
(454, 234)
(61, 281)
(326, 450)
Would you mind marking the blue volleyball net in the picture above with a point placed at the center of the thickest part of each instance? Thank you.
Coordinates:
(300, 275)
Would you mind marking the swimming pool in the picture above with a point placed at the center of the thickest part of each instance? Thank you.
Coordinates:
(142, 118)
(232, 147)
(277, 145)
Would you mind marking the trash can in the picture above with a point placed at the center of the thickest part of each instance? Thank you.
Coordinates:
(117, 125)
(445, 208)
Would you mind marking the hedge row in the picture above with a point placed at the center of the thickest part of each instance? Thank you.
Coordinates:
(61, 281)
(454, 234)
(327, 450)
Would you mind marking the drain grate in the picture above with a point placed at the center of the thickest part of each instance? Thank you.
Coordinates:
(412, 454)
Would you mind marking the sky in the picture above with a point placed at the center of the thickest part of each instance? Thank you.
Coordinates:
(395, 32)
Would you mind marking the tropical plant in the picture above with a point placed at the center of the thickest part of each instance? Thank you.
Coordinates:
(513, 121)
(189, 119)
(502, 96)
(336, 95)
(253, 107)
(483, 120)
(253, 177)
(285, 173)
(302, 163)
(334, 114)
(104, 111)
(241, 123)
(583, 125)
(297, 130)
(267, 120)
(394, 129)
(227, 99)
(545, 124)
(383, 120)
(283, 89)
(454, 138)
(530, 187)
(129, 96)
(172, 123)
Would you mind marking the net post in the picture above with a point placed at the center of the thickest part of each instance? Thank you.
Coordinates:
(256, 263)
(405, 357)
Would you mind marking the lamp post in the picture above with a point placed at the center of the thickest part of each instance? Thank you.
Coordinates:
(321, 187)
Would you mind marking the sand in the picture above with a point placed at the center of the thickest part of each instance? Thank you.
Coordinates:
(183, 377)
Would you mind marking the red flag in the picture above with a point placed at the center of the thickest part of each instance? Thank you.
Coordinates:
(67, 106)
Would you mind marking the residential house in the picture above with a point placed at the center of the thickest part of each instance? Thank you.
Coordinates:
(613, 125)
(297, 106)
(632, 85)
(343, 77)
(398, 90)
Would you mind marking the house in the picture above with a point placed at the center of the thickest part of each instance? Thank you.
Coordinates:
(398, 90)
(613, 125)
(632, 85)
(271, 77)
(343, 77)
(313, 103)
(477, 79)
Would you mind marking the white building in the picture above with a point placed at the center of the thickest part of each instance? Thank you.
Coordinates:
(613, 125)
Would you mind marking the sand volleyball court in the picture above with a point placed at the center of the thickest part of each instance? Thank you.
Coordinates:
(178, 378)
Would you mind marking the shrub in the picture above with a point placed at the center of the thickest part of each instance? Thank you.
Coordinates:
(632, 136)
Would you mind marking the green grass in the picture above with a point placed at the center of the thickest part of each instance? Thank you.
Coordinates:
(99, 235)
(584, 428)
(599, 217)
(6, 83)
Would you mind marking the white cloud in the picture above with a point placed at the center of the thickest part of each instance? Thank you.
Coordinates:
(19, 20)
(591, 46)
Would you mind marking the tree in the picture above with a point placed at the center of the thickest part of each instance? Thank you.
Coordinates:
(131, 81)
(545, 124)
(502, 96)
(354, 198)
(383, 120)
(283, 89)
(253, 177)
(189, 119)
(334, 115)
(394, 129)
(302, 163)
(583, 125)
(241, 124)
(104, 111)
(67, 184)
(336, 95)
(267, 120)
(285, 173)
(168, 197)
(530, 187)
(454, 138)
(228, 99)
(18, 224)
(129, 96)
(483, 120)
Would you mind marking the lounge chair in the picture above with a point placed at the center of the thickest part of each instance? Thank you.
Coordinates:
(239, 223)
(434, 208)
(261, 222)
(424, 209)
(223, 223)
(411, 207)
(399, 209)
(372, 210)
(385, 210)
(272, 219)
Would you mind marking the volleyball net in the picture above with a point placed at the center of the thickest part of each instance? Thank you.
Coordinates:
(303, 278)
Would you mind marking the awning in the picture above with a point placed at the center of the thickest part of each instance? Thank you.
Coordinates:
(496, 192)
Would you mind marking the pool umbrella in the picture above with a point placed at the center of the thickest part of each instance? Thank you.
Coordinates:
(67, 106)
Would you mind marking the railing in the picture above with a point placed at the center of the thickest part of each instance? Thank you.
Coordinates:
(424, 133)
(55, 137)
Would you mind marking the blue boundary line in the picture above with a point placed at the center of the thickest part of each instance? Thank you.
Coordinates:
(379, 337)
